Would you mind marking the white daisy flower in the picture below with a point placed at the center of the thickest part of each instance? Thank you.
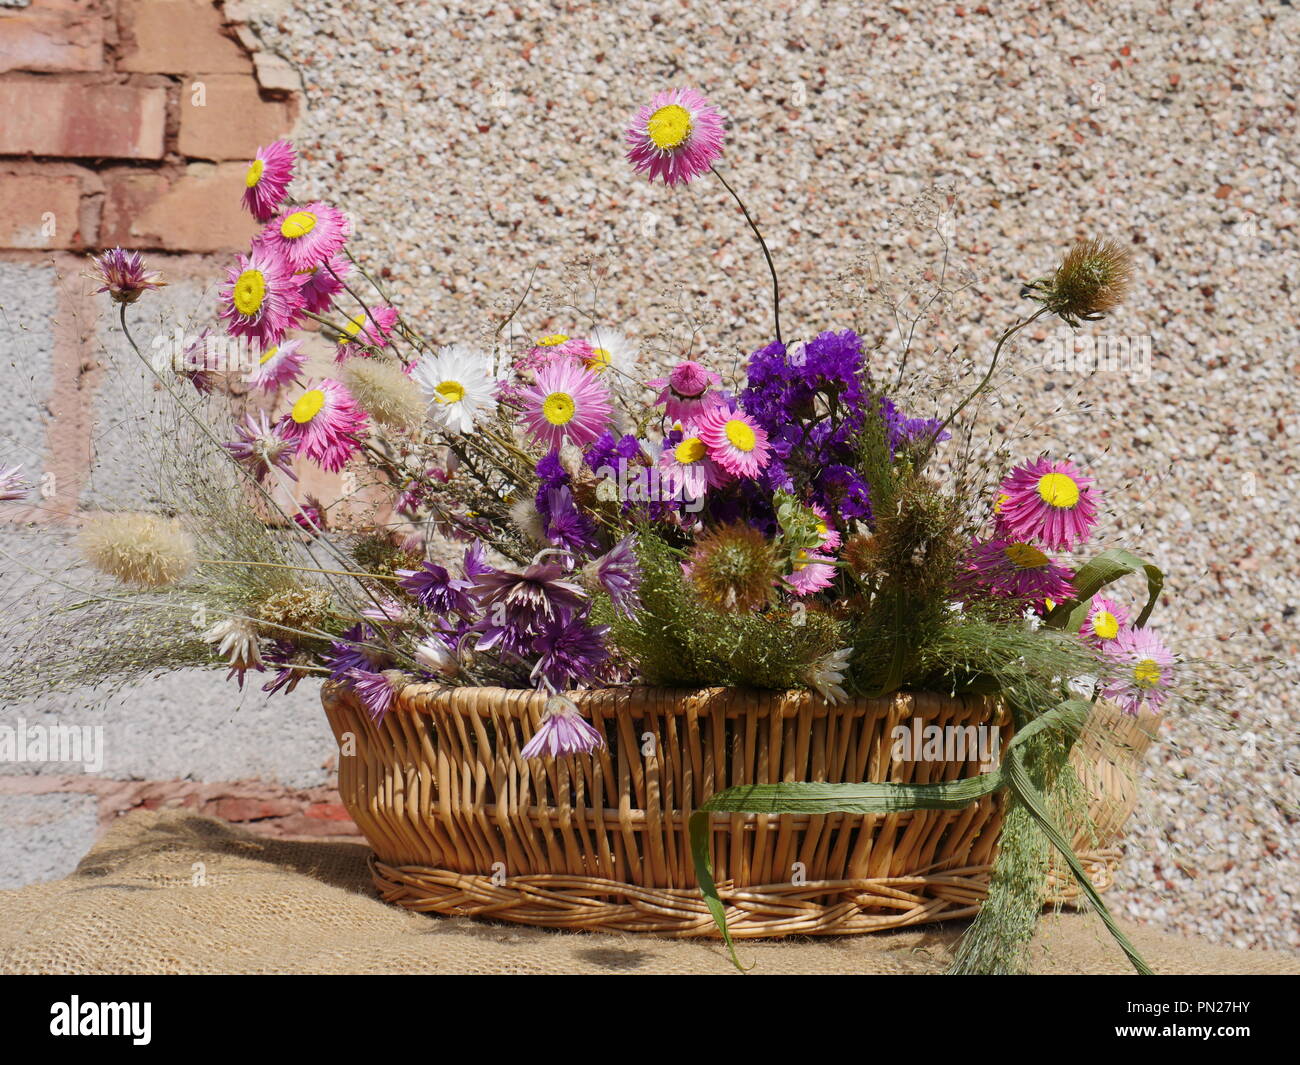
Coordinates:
(610, 348)
(459, 386)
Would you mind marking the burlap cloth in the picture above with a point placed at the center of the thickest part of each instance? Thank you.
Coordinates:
(176, 892)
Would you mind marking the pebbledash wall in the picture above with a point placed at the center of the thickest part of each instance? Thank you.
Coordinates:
(128, 122)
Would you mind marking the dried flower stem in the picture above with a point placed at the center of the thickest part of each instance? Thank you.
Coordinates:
(776, 285)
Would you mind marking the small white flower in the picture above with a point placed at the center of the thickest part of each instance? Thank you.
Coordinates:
(237, 642)
(826, 675)
(610, 348)
(459, 387)
(436, 657)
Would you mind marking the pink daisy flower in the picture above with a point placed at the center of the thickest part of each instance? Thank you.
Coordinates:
(811, 573)
(1142, 670)
(322, 282)
(327, 423)
(307, 236)
(369, 329)
(260, 299)
(1017, 570)
(688, 392)
(686, 470)
(735, 441)
(676, 137)
(1105, 621)
(278, 366)
(830, 537)
(124, 275)
(1049, 503)
(568, 402)
(268, 179)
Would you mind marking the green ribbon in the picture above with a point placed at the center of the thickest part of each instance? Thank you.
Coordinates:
(884, 798)
(1092, 577)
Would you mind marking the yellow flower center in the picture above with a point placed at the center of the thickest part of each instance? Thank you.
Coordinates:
(1000, 502)
(308, 406)
(552, 340)
(669, 126)
(268, 356)
(1058, 490)
(450, 392)
(352, 328)
(741, 435)
(1146, 674)
(1026, 556)
(254, 175)
(1105, 625)
(250, 291)
(690, 450)
(600, 360)
(558, 408)
(298, 224)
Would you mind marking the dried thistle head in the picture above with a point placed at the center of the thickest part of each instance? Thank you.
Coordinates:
(733, 567)
(141, 549)
(1091, 281)
(861, 554)
(385, 392)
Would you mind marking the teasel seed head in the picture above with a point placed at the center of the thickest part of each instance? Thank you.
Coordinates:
(733, 568)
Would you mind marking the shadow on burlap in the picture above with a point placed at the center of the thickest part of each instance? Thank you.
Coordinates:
(176, 892)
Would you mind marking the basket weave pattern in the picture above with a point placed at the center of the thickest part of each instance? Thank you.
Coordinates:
(461, 824)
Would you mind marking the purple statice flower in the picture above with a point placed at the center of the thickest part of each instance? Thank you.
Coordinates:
(562, 731)
(347, 652)
(570, 651)
(565, 525)
(606, 451)
(618, 572)
(902, 430)
(261, 449)
(376, 690)
(841, 490)
(437, 590)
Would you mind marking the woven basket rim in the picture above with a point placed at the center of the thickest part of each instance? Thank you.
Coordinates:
(527, 702)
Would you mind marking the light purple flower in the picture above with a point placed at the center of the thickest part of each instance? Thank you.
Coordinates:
(562, 731)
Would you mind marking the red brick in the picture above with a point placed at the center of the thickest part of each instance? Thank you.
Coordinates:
(239, 809)
(328, 811)
(32, 203)
(81, 118)
(232, 121)
(52, 36)
(197, 209)
(176, 37)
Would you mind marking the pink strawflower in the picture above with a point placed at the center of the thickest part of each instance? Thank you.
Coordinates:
(811, 573)
(1105, 621)
(830, 537)
(1141, 670)
(1016, 570)
(676, 137)
(1048, 503)
(327, 423)
(688, 392)
(310, 517)
(268, 179)
(261, 448)
(562, 731)
(568, 402)
(307, 236)
(261, 299)
(686, 470)
(123, 273)
(322, 282)
(370, 329)
(278, 366)
(735, 441)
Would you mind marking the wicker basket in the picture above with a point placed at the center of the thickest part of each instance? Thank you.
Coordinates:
(461, 824)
